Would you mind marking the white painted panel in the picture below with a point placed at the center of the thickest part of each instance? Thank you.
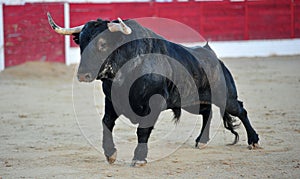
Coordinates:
(235, 49)
(67, 37)
(254, 48)
(74, 55)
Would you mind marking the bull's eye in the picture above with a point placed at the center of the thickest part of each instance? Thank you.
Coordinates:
(102, 44)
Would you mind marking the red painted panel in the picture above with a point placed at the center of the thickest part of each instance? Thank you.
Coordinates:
(184, 12)
(136, 10)
(86, 12)
(223, 20)
(82, 13)
(28, 36)
(297, 18)
(178, 24)
(269, 20)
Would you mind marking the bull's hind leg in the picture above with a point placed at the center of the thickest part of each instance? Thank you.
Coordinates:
(146, 124)
(203, 137)
(141, 150)
(235, 108)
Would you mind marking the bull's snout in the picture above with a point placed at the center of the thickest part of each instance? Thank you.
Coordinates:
(87, 77)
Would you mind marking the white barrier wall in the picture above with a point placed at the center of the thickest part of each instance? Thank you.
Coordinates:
(235, 49)
(254, 48)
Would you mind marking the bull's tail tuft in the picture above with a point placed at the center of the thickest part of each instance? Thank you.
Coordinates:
(229, 123)
(177, 114)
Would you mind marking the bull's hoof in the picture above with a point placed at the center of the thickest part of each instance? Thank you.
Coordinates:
(138, 163)
(254, 146)
(200, 145)
(111, 159)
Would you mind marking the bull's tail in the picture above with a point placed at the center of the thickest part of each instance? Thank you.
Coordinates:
(177, 114)
(229, 124)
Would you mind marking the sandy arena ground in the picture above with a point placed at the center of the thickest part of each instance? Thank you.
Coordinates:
(40, 137)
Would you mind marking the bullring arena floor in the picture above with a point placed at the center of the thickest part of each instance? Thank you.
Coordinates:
(41, 138)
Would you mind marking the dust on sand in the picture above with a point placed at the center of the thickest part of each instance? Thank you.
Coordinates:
(40, 137)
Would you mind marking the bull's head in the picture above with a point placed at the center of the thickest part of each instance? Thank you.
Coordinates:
(83, 35)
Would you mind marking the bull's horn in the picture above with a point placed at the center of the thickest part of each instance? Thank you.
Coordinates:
(119, 27)
(63, 31)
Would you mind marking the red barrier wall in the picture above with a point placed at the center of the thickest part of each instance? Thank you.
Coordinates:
(221, 20)
(28, 36)
(295, 17)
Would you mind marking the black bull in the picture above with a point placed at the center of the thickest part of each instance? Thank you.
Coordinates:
(143, 74)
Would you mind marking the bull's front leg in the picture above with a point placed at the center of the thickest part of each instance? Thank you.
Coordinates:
(141, 151)
(108, 123)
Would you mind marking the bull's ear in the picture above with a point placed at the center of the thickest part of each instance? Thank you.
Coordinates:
(119, 27)
(76, 38)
